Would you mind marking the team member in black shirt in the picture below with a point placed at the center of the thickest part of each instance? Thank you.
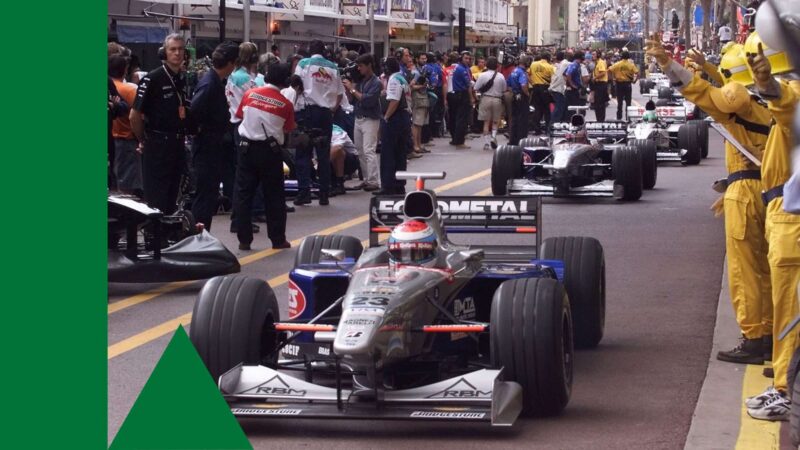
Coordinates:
(211, 116)
(158, 121)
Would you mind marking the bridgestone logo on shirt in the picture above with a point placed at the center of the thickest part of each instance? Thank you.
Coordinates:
(268, 100)
(266, 412)
(448, 415)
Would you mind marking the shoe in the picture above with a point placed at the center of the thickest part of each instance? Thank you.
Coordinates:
(776, 408)
(371, 187)
(452, 143)
(414, 155)
(303, 198)
(462, 146)
(289, 209)
(760, 400)
(493, 143)
(284, 244)
(338, 190)
(357, 187)
(260, 218)
(749, 351)
(767, 343)
(243, 246)
(768, 372)
(384, 192)
(323, 199)
(423, 150)
(487, 147)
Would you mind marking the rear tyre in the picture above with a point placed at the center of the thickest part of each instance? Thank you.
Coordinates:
(233, 322)
(662, 102)
(506, 165)
(647, 149)
(664, 93)
(626, 165)
(310, 250)
(533, 142)
(702, 136)
(531, 339)
(687, 140)
(643, 88)
(585, 280)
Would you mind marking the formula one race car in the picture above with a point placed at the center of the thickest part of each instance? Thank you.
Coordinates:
(654, 81)
(421, 328)
(579, 159)
(172, 247)
(665, 130)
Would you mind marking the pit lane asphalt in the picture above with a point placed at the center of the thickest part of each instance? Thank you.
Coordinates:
(638, 389)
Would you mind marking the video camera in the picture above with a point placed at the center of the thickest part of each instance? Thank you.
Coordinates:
(350, 72)
(509, 52)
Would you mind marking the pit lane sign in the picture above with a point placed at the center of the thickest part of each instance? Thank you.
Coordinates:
(357, 12)
(402, 18)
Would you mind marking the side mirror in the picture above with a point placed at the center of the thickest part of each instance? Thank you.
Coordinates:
(332, 255)
(475, 255)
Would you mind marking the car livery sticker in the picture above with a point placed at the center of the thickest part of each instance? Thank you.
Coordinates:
(297, 301)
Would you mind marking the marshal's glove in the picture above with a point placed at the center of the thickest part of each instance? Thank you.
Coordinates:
(762, 69)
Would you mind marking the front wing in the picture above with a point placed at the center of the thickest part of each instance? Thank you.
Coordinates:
(604, 188)
(479, 396)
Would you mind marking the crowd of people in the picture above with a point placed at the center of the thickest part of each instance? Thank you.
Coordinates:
(602, 19)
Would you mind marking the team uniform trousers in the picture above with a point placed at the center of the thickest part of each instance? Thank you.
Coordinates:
(208, 160)
(395, 134)
(258, 163)
(600, 100)
(520, 119)
(163, 163)
(623, 93)
(541, 104)
(366, 142)
(559, 106)
(461, 110)
(314, 117)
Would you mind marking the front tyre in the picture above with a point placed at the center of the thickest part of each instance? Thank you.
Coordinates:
(531, 339)
(647, 148)
(626, 166)
(233, 321)
(688, 140)
(506, 166)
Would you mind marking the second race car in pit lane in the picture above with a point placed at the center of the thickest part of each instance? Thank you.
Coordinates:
(665, 130)
(579, 159)
(421, 328)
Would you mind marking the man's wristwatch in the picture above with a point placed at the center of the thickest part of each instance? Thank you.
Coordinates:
(352, 92)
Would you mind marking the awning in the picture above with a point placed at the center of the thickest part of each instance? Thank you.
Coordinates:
(141, 34)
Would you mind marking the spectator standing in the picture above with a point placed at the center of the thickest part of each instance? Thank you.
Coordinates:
(127, 162)
(541, 74)
(323, 93)
(449, 94)
(558, 86)
(600, 87)
(464, 99)
(433, 71)
(395, 132)
(158, 119)
(420, 104)
(212, 118)
(478, 68)
(368, 115)
(518, 84)
(725, 34)
(491, 86)
(624, 73)
(266, 115)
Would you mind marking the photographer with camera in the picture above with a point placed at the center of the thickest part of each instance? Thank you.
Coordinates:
(266, 116)
(366, 94)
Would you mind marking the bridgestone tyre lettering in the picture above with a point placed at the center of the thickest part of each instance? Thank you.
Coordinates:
(233, 322)
(688, 140)
(626, 165)
(310, 250)
(647, 148)
(585, 281)
(506, 165)
(531, 339)
(702, 136)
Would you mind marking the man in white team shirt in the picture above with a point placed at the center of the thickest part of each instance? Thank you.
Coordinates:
(266, 116)
(725, 34)
(323, 92)
(492, 86)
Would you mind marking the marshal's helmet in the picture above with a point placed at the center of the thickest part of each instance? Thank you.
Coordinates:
(413, 242)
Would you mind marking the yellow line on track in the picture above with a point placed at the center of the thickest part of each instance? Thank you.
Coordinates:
(756, 434)
(170, 287)
(167, 327)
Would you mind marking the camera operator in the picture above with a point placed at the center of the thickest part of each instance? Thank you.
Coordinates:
(366, 95)
(266, 115)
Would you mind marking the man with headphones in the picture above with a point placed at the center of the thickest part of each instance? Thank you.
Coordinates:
(159, 119)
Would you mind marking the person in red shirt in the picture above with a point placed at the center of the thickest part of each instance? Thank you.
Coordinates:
(266, 118)
(127, 159)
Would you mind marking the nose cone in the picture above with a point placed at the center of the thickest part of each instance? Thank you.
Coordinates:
(356, 332)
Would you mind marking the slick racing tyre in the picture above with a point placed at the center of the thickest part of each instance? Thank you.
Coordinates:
(310, 250)
(643, 89)
(585, 280)
(688, 140)
(233, 322)
(665, 93)
(702, 136)
(506, 165)
(533, 142)
(647, 149)
(531, 339)
(662, 102)
(626, 166)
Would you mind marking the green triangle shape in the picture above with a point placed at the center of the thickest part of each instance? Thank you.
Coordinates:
(180, 407)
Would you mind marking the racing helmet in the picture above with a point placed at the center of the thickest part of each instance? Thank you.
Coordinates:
(733, 66)
(413, 242)
(778, 60)
(650, 116)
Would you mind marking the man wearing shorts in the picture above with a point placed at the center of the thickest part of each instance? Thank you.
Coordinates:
(491, 85)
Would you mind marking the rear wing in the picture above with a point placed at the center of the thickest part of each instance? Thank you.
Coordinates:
(664, 113)
(465, 214)
(595, 130)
